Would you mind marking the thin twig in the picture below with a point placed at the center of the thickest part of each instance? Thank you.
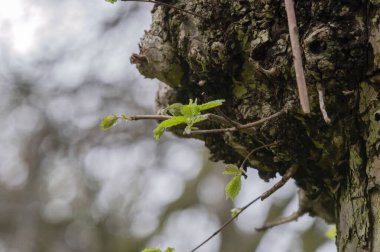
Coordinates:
(212, 131)
(293, 217)
(322, 106)
(223, 119)
(297, 58)
(240, 127)
(148, 117)
(212, 117)
(226, 224)
(263, 120)
(241, 168)
(219, 111)
(232, 122)
(167, 5)
(303, 207)
(290, 172)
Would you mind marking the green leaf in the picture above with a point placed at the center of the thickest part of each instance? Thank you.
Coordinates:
(331, 233)
(109, 121)
(174, 109)
(191, 110)
(235, 212)
(169, 249)
(211, 104)
(158, 131)
(111, 1)
(233, 188)
(173, 122)
(232, 169)
(151, 250)
(198, 119)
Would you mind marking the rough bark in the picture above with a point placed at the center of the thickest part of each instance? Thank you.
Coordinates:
(240, 51)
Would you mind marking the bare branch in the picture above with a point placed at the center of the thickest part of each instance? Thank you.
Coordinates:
(226, 224)
(148, 117)
(322, 106)
(221, 113)
(222, 119)
(263, 120)
(293, 217)
(290, 172)
(240, 127)
(212, 131)
(303, 207)
(210, 116)
(297, 58)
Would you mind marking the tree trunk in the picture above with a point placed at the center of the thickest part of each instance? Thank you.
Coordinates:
(240, 51)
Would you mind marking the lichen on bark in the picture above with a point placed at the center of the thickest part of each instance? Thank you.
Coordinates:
(240, 52)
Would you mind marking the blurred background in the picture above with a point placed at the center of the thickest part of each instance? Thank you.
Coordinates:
(66, 185)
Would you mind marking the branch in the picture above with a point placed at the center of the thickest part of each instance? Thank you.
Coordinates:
(263, 120)
(222, 119)
(229, 121)
(226, 224)
(297, 58)
(212, 131)
(167, 5)
(148, 117)
(290, 172)
(303, 208)
(240, 127)
(250, 153)
(293, 217)
(322, 106)
(212, 117)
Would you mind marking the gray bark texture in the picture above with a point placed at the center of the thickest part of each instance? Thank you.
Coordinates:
(240, 51)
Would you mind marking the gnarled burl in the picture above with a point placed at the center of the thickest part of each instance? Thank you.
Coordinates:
(240, 51)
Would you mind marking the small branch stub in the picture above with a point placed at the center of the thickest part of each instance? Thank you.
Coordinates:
(322, 106)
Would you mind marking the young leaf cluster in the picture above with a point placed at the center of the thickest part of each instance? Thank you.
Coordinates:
(234, 186)
(188, 114)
